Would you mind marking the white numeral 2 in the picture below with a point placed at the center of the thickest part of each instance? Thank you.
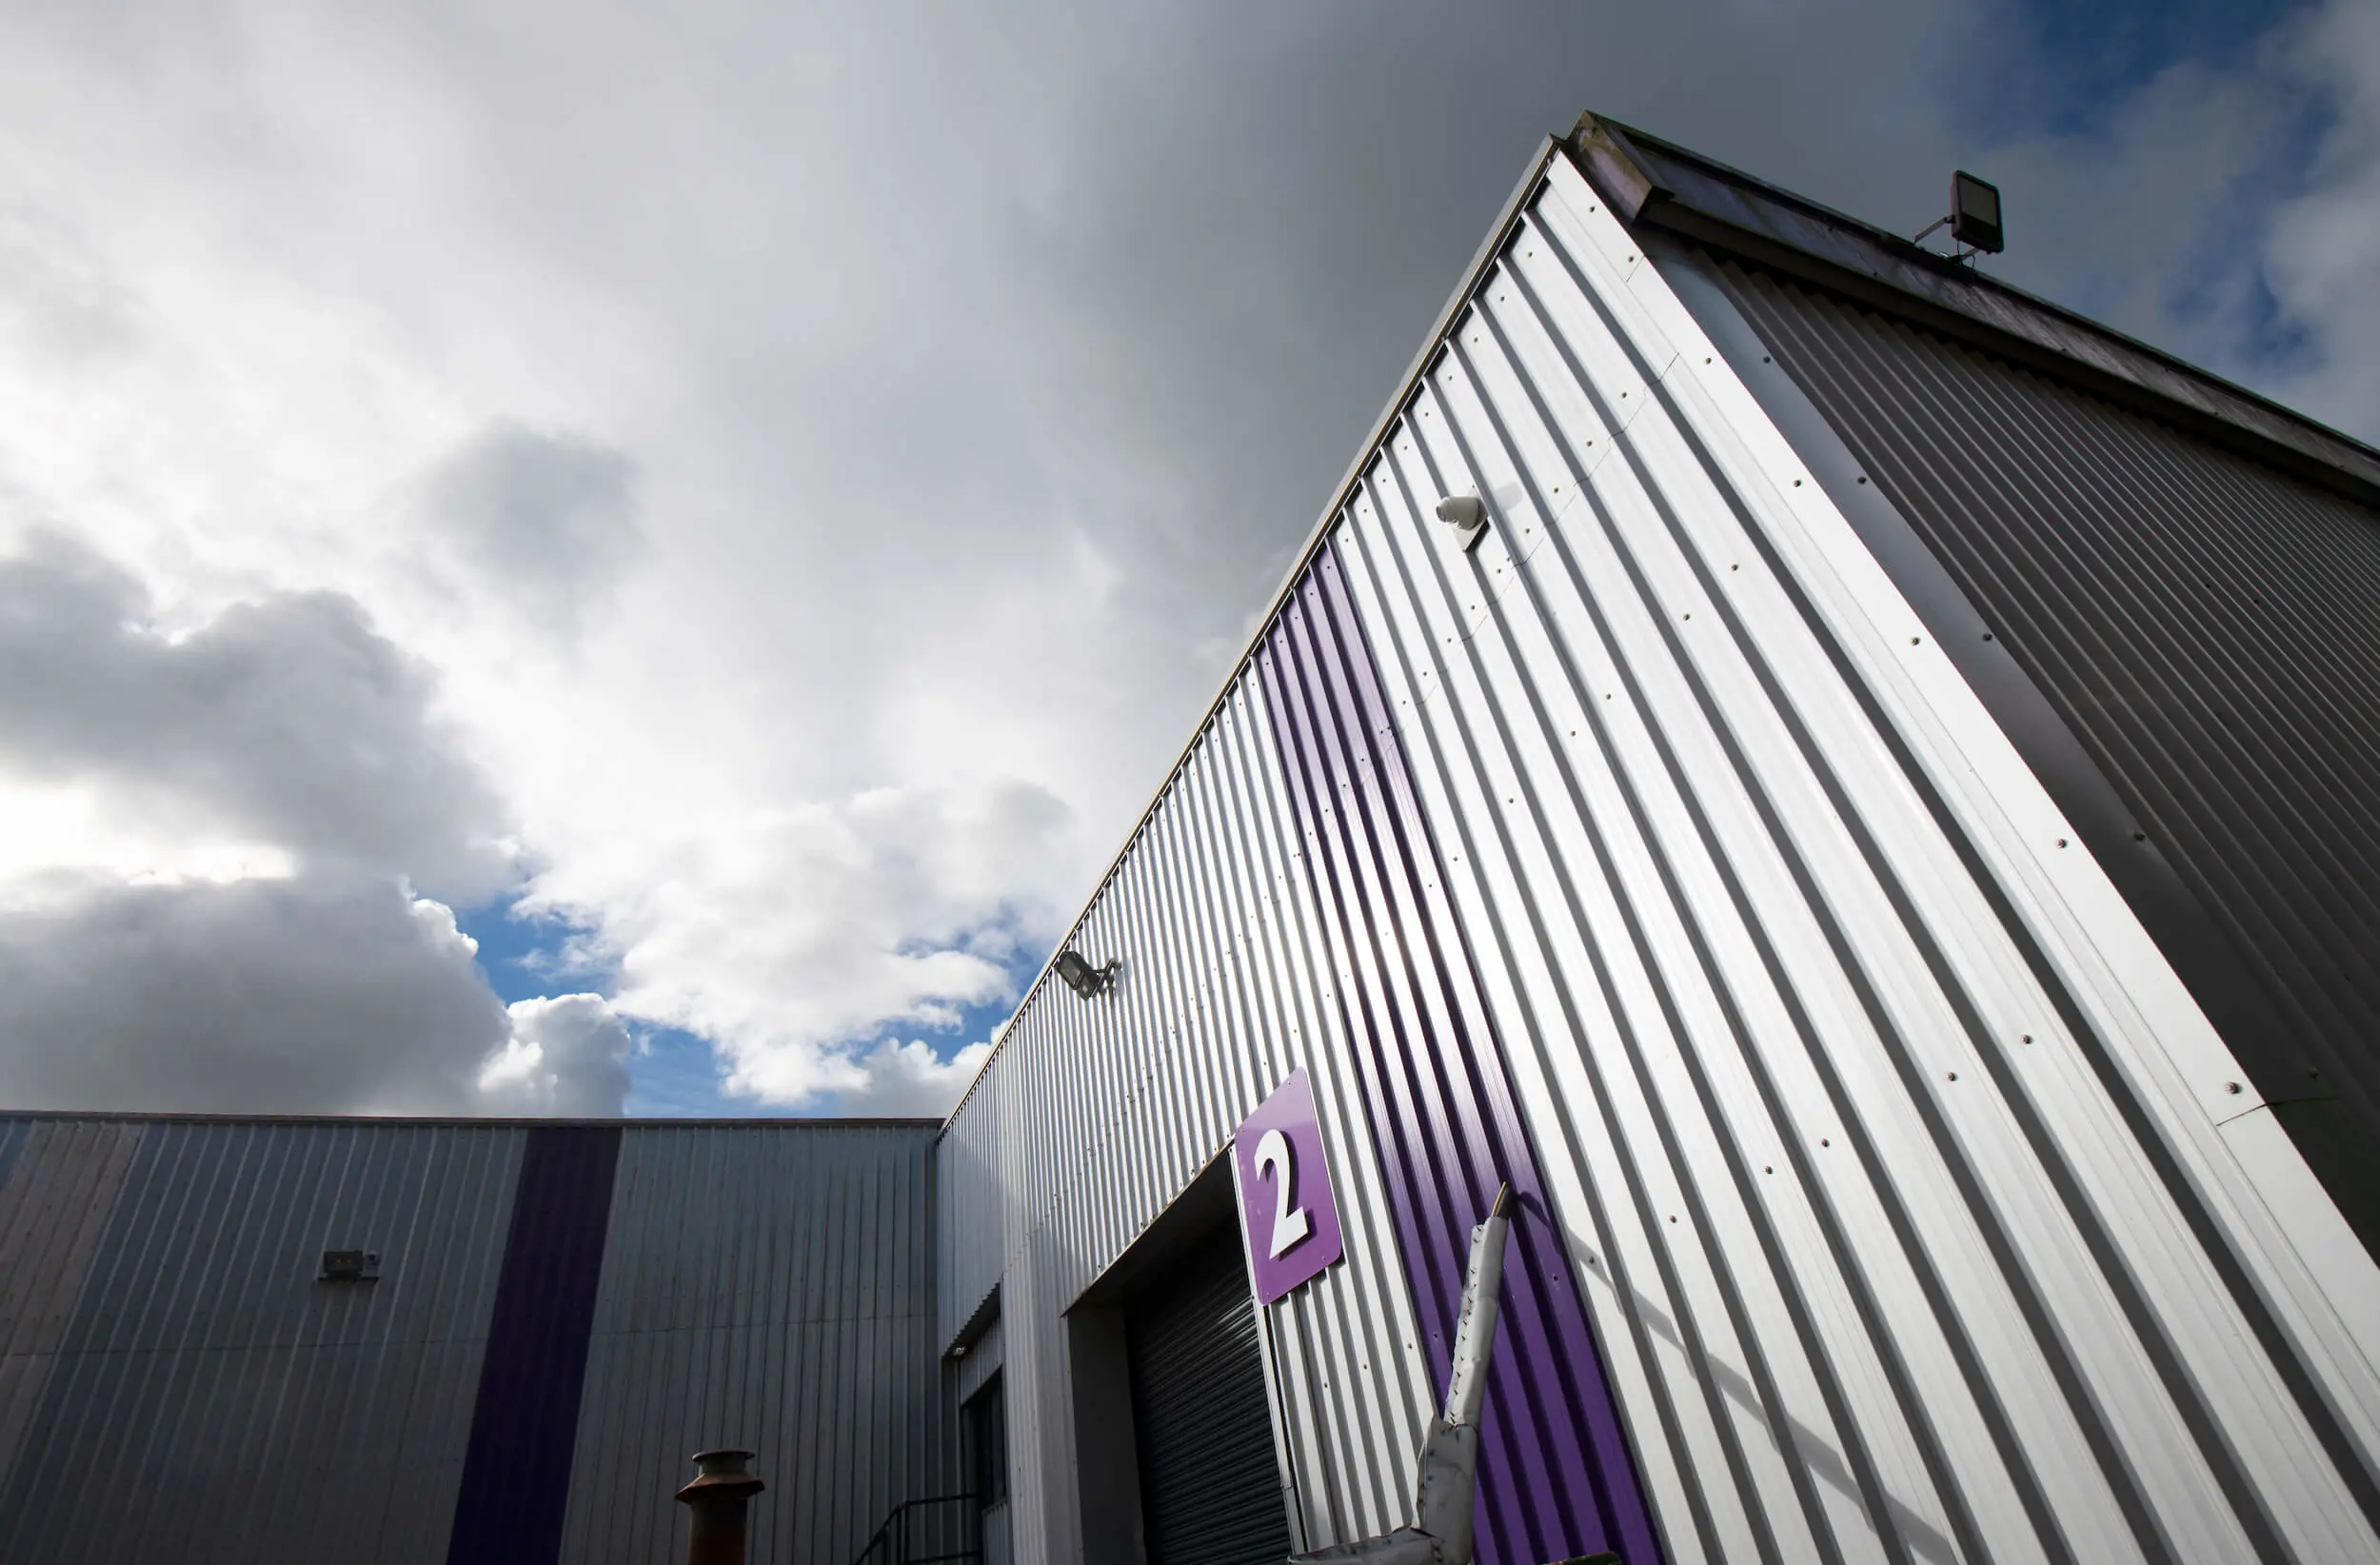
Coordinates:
(1289, 1222)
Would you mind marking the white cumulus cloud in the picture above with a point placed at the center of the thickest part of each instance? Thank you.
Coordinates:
(907, 1080)
(786, 936)
(566, 1055)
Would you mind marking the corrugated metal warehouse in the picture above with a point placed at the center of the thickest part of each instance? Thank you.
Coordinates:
(563, 1313)
(1851, 790)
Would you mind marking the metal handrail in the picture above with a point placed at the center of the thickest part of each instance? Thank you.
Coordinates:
(896, 1527)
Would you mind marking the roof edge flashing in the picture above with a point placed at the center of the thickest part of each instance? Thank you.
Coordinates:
(1609, 160)
(1654, 182)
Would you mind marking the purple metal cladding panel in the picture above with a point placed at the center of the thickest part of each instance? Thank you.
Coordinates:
(516, 1479)
(1556, 1476)
(1285, 1193)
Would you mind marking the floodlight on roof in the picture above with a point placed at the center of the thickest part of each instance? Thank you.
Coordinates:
(1974, 218)
(1976, 212)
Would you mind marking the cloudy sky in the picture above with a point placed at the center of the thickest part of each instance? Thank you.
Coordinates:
(557, 558)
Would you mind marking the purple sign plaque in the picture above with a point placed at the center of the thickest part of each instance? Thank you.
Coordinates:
(1291, 1219)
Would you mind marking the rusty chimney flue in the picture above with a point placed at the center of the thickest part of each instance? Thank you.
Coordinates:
(718, 1497)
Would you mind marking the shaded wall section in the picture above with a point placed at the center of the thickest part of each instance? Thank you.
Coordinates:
(576, 1307)
(192, 1392)
(517, 1475)
(50, 1224)
(768, 1286)
(2205, 626)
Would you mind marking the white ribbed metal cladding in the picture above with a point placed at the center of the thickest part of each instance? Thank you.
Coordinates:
(1886, 1142)
(766, 1286)
(1092, 1115)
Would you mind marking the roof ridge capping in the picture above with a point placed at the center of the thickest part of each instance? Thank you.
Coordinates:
(1653, 183)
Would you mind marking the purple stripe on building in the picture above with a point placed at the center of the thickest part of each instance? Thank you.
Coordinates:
(1556, 1480)
(516, 1479)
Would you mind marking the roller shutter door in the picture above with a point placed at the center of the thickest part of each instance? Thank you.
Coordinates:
(1210, 1486)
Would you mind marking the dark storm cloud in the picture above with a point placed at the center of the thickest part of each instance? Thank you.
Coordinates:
(287, 721)
(257, 996)
(325, 996)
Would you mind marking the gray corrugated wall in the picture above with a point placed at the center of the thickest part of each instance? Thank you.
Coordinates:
(58, 1186)
(175, 1383)
(768, 1286)
(198, 1396)
(50, 1224)
(2208, 628)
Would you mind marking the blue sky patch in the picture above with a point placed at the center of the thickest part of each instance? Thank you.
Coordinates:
(2067, 70)
(673, 1074)
(527, 957)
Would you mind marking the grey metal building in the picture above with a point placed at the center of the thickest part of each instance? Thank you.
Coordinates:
(1849, 788)
(561, 1312)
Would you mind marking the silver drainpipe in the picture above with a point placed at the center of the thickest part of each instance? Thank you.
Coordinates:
(1440, 1533)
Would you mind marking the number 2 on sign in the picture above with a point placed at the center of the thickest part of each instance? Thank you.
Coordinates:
(1289, 1222)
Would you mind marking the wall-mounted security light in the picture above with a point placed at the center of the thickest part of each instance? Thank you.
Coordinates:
(1082, 976)
(1467, 514)
(349, 1266)
(1974, 218)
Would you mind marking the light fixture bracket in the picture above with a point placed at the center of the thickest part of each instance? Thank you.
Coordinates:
(1468, 515)
(1082, 978)
(1974, 219)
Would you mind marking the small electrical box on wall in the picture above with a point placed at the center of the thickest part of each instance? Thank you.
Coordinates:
(349, 1266)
